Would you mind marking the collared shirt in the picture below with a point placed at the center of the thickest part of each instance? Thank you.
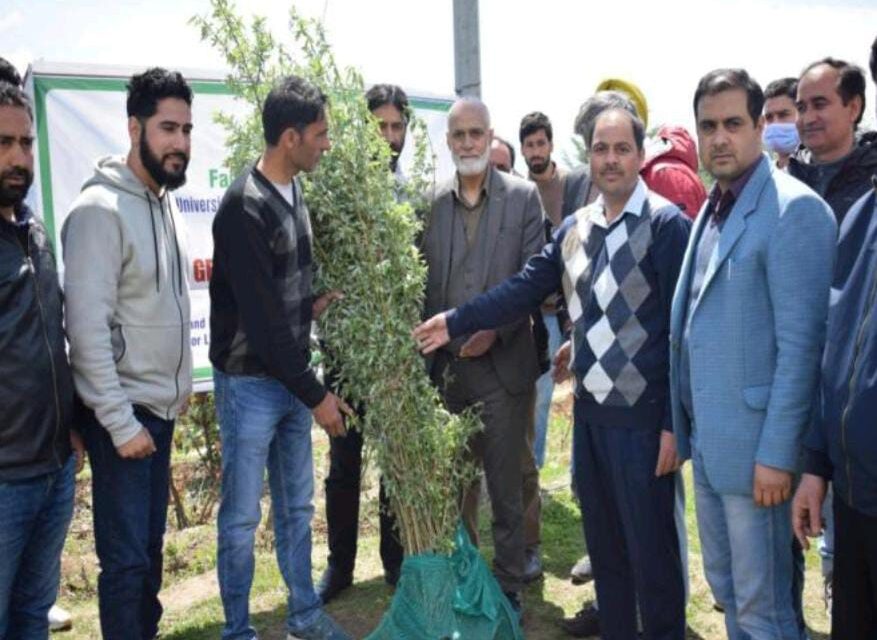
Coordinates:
(633, 205)
(721, 203)
(470, 213)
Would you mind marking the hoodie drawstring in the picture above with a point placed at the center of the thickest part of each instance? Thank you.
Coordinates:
(177, 248)
(154, 241)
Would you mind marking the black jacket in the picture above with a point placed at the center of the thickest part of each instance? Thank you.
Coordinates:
(36, 387)
(851, 182)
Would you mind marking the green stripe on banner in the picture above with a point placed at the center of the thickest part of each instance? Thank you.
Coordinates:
(204, 373)
(432, 104)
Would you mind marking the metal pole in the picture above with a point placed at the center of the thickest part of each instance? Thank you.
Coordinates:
(467, 49)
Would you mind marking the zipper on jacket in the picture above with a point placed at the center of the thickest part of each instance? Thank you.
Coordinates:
(857, 353)
(154, 239)
(32, 268)
(179, 308)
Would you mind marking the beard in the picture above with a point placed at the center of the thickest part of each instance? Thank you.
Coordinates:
(155, 165)
(538, 165)
(13, 195)
(395, 152)
(472, 166)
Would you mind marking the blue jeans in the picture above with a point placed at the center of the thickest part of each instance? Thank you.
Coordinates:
(35, 516)
(747, 560)
(263, 425)
(130, 514)
(545, 388)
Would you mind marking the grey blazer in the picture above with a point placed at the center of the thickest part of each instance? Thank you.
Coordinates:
(515, 230)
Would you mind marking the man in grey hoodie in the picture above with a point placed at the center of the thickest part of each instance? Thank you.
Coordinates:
(128, 326)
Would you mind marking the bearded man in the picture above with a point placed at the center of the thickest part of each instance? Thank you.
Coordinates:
(483, 227)
(127, 303)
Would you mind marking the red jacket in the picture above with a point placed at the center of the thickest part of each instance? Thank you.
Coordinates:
(671, 169)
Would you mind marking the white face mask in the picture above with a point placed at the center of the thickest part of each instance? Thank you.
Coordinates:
(471, 166)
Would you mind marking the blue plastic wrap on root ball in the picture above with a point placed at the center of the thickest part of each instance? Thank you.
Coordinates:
(451, 597)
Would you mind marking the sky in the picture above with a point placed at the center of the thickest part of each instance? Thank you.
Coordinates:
(546, 55)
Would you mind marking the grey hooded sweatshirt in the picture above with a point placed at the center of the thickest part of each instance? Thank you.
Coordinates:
(127, 301)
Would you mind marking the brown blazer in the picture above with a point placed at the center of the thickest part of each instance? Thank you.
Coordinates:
(515, 232)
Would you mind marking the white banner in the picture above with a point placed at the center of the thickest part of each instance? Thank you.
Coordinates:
(81, 116)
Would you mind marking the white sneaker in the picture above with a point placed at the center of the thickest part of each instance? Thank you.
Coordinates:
(59, 619)
(582, 573)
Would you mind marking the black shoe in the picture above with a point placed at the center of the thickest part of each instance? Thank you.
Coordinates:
(391, 576)
(332, 583)
(584, 624)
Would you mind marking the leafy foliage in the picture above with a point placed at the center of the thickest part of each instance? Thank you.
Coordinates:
(365, 227)
(198, 434)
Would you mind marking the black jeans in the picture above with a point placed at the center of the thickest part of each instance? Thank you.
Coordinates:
(130, 514)
(854, 582)
(343, 486)
(628, 517)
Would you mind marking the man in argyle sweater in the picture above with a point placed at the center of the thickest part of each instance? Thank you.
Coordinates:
(618, 260)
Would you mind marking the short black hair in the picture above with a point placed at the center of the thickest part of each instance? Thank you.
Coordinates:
(146, 89)
(508, 145)
(787, 87)
(292, 103)
(850, 81)
(720, 80)
(381, 94)
(8, 73)
(636, 124)
(11, 95)
(533, 122)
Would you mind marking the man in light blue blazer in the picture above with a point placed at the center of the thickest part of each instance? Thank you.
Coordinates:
(746, 332)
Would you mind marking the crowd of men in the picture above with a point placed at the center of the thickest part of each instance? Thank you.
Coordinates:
(730, 327)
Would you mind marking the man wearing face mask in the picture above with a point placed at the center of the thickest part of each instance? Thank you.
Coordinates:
(483, 227)
(127, 303)
(837, 161)
(780, 135)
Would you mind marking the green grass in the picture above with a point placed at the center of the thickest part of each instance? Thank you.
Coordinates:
(194, 612)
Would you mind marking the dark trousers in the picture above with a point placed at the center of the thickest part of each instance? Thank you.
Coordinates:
(854, 582)
(343, 486)
(499, 449)
(630, 530)
(130, 513)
